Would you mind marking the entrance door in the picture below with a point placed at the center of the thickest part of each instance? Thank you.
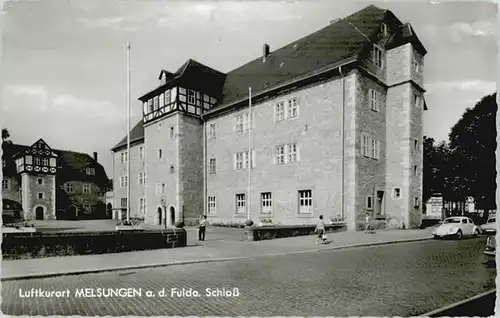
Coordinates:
(72, 212)
(172, 216)
(39, 213)
(379, 207)
(109, 211)
(159, 215)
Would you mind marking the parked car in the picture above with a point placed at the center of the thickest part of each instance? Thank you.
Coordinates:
(491, 246)
(456, 226)
(490, 226)
(12, 211)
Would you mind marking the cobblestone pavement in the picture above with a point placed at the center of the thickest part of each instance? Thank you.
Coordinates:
(393, 280)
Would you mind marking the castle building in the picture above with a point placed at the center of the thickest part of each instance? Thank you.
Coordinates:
(53, 184)
(335, 130)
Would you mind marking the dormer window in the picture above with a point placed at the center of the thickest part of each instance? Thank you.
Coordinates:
(377, 56)
(384, 30)
(163, 80)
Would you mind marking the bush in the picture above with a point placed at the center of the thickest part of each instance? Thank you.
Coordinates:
(248, 222)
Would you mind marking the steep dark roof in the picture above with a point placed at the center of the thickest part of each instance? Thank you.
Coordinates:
(337, 42)
(71, 165)
(136, 134)
(194, 75)
(342, 41)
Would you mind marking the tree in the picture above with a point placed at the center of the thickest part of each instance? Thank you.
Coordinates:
(473, 143)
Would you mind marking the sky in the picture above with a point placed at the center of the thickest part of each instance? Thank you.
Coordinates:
(64, 61)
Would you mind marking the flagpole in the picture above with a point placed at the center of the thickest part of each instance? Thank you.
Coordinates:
(249, 150)
(128, 132)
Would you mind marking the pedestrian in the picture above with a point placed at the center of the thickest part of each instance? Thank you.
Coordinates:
(320, 230)
(367, 223)
(202, 228)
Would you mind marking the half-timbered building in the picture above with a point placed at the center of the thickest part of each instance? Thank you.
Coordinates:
(53, 184)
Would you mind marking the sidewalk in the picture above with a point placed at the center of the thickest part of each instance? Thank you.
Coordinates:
(221, 245)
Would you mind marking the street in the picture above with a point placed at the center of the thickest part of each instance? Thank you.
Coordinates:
(393, 280)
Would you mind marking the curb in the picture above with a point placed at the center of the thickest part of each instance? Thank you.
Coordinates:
(458, 303)
(208, 260)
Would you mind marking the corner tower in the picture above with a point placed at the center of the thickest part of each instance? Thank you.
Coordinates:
(405, 106)
(173, 139)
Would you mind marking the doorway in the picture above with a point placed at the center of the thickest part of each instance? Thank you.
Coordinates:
(72, 212)
(172, 216)
(379, 206)
(109, 211)
(39, 213)
(159, 215)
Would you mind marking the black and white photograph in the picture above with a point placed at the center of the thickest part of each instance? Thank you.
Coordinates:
(248, 158)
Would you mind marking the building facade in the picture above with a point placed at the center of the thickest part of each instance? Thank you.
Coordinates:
(334, 132)
(53, 184)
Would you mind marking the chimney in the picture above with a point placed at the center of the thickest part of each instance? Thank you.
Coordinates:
(265, 52)
(95, 156)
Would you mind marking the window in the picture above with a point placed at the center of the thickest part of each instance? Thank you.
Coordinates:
(280, 111)
(160, 155)
(239, 161)
(375, 149)
(369, 202)
(141, 153)
(124, 156)
(416, 202)
(155, 102)
(280, 155)
(167, 97)
(40, 195)
(416, 100)
(123, 202)
(150, 105)
(124, 181)
(240, 203)
(266, 203)
(416, 66)
(191, 97)
(377, 56)
(142, 178)
(396, 193)
(142, 206)
(69, 187)
(162, 100)
(5, 184)
(37, 160)
(384, 29)
(239, 124)
(45, 161)
(374, 99)
(86, 188)
(246, 122)
(365, 145)
(292, 108)
(415, 171)
(172, 132)
(90, 171)
(211, 131)
(370, 147)
(39, 181)
(211, 166)
(305, 202)
(211, 205)
(292, 152)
